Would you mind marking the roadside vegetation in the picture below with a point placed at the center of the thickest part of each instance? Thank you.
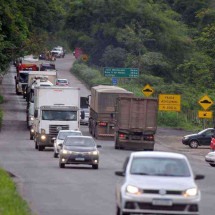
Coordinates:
(10, 201)
(171, 42)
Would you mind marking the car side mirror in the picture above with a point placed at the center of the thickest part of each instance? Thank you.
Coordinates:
(15, 77)
(60, 145)
(99, 146)
(199, 177)
(120, 173)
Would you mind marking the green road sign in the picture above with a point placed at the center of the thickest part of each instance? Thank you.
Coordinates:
(121, 72)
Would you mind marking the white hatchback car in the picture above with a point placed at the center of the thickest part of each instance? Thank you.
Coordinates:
(157, 183)
(61, 137)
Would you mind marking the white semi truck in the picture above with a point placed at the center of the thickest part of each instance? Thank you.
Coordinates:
(55, 108)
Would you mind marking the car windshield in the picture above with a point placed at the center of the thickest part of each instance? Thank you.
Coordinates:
(61, 81)
(80, 142)
(208, 131)
(58, 115)
(23, 77)
(63, 135)
(159, 166)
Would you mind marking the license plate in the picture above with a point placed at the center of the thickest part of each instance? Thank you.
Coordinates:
(136, 137)
(165, 202)
(79, 159)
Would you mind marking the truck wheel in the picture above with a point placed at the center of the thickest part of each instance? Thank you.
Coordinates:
(31, 137)
(95, 166)
(55, 155)
(96, 132)
(40, 148)
(36, 146)
(62, 165)
(116, 145)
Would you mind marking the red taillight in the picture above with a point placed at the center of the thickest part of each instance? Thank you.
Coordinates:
(149, 137)
(122, 136)
(102, 124)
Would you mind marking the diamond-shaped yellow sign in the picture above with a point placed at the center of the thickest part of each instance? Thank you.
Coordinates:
(205, 102)
(147, 90)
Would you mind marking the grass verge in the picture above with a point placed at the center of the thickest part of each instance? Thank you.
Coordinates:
(10, 201)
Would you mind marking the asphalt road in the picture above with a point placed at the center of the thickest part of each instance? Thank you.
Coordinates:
(77, 190)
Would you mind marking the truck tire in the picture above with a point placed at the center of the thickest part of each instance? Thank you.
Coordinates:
(95, 166)
(96, 132)
(31, 137)
(55, 155)
(40, 148)
(116, 146)
(62, 165)
(36, 145)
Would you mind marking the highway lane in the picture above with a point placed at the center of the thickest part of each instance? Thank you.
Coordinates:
(50, 190)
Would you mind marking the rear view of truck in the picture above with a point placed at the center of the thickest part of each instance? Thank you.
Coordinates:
(102, 110)
(135, 123)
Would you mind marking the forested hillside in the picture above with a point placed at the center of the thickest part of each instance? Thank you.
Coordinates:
(28, 26)
(172, 42)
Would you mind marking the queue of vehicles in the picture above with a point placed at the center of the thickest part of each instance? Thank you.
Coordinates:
(114, 113)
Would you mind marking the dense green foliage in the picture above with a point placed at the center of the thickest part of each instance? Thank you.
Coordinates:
(10, 201)
(28, 26)
(170, 41)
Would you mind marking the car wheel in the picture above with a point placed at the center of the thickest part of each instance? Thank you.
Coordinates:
(95, 166)
(117, 210)
(40, 148)
(212, 164)
(116, 146)
(31, 137)
(62, 165)
(36, 146)
(193, 144)
(55, 155)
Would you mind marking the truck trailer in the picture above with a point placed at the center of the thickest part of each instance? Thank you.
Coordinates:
(55, 108)
(102, 110)
(135, 123)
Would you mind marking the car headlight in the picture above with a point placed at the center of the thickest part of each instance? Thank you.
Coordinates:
(32, 118)
(94, 152)
(32, 130)
(190, 192)
(43, 137)
(65, 152)
(185, 138)
(133, 190)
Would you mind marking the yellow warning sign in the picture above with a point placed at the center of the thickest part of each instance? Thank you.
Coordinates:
(147, 90)
(205, 102)
(169, 102)
(205, 114)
